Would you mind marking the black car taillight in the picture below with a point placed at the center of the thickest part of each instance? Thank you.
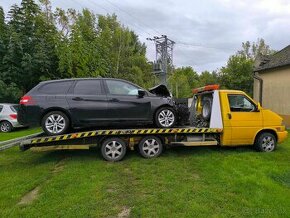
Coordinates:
(26, 100)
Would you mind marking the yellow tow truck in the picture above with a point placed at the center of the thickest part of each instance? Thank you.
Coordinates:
(217, 118)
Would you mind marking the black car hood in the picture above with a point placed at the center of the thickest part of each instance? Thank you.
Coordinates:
(160, 90)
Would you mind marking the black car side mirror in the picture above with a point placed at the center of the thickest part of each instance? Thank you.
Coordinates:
(141, 93)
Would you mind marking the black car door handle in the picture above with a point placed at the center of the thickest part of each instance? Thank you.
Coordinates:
(77, 99)
(115, 100)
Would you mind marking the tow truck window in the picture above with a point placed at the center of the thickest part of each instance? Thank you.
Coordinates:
(240, 103)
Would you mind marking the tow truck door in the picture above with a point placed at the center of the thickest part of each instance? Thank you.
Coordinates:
(243, 119)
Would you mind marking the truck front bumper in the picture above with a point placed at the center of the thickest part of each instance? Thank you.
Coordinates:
(282, 136)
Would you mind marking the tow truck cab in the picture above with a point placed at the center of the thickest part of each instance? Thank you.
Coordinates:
(242, 119)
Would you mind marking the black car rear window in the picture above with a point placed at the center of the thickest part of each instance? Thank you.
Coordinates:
(88, 87)
(55, 87)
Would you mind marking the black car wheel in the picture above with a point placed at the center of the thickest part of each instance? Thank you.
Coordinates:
(150, 147)
(113, 149)
(55, 123)
(165, 117)
(6, 126)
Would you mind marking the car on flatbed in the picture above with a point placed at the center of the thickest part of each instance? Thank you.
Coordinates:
(59, 105)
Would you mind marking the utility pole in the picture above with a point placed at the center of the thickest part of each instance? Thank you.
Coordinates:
(164, 57)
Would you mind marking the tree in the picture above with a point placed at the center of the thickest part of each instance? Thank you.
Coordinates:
(30, 55)
(207, 78)
(9, 92)
(182, 81)
(3, 39)
(92, 47)
(238, 73)
(255, 49)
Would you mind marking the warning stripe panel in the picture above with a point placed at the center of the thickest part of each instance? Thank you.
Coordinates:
(123, 132)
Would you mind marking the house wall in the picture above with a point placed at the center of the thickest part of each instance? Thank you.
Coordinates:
(276, 91)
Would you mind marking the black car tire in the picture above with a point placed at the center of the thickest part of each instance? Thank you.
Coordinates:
(266, 142)
(113, 149)
(5, 126)
(165, 117)
(59, 117)
(150, 147)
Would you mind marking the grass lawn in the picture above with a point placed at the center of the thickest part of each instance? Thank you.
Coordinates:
(18, 133)
(183, 182)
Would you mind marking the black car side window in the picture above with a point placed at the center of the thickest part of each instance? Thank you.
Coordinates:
(88, 87)
(55, 87)
(121, 88)
(1, 107)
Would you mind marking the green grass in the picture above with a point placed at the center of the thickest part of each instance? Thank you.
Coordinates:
(183, 182)
(18, 133)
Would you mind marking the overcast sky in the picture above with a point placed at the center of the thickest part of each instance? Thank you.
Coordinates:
(206, 32)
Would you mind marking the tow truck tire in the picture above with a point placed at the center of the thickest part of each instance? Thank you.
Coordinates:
(206, 109)
(150, 147)
(57, 118)
(113, 149)
(266, 142)
(165, 117)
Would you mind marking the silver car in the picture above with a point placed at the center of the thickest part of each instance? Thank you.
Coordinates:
(8, 117)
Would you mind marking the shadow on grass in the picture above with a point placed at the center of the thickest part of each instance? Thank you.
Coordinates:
(209, 149)
(94, 154)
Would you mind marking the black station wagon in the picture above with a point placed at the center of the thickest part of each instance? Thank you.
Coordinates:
(59, 105)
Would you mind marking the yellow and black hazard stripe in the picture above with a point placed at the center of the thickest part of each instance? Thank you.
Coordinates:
(122, 132)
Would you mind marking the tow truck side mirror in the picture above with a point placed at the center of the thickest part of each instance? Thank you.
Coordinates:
(258, 107)
(141, 93)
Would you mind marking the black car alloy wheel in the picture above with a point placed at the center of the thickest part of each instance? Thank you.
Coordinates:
(165, 117)
(55, 123)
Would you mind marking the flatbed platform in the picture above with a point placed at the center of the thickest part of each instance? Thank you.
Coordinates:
(118, 132)
(127, 137)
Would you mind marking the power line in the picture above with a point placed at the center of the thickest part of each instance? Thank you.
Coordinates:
(201, 46)
(132, 24)
(124, 11)
(179, 43)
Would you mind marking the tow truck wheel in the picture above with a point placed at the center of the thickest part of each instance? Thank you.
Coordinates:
(113, 149)
(266, 142)
(150, 147)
